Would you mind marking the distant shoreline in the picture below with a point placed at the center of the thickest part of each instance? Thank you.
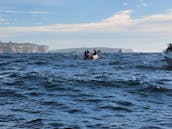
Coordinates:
(101, 49)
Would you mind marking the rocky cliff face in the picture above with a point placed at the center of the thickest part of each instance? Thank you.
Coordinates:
(22, 48)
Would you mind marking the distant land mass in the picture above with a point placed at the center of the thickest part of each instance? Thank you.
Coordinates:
(101, 49)
(12, 47)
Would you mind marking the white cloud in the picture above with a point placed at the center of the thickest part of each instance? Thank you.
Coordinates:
(39, 12)
(22, 12)
(4, 21)
(11, 12)
(125, 4)
(144, 4)
(120, 22)
(114, 23)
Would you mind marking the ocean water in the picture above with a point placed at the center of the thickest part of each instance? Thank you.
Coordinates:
(54, 91)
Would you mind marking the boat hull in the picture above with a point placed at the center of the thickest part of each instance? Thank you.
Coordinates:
(95, 57)
(168, 58)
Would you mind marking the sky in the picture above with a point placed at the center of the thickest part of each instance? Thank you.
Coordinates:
(141, 25)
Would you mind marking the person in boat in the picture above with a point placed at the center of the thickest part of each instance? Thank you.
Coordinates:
(95, 55)
(169, 49)
(86, 54)
(95, 52)
(170, 45)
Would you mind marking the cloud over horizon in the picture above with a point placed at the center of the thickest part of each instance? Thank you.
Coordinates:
(121, 21)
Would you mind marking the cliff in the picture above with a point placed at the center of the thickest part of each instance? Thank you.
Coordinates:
(22, 48)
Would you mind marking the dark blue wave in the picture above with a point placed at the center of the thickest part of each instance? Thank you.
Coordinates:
(64, 91)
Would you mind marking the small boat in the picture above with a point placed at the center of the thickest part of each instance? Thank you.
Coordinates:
(95, 57)
(168, 55)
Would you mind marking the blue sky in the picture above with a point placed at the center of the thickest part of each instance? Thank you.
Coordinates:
(143, 25)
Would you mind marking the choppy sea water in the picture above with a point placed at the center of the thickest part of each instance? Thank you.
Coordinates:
(117, 91)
